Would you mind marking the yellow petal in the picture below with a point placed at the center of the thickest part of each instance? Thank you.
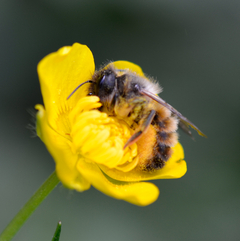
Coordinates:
(60, 73)
(175, 168)
(128, 166)
(60, 149)
(129, 66)
(138, 193)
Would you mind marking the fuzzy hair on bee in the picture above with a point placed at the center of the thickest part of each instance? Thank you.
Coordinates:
(134, 99)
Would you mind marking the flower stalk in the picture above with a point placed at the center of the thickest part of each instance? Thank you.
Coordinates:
(27, 210)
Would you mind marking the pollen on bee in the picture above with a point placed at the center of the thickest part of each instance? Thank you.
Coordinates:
(146, 145)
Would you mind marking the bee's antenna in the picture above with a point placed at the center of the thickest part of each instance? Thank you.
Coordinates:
(88, 81)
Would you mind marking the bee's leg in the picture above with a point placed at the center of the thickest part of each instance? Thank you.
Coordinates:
(136, 136)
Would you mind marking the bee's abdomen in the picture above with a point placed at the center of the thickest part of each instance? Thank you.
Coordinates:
(166, 137)
(162, 154)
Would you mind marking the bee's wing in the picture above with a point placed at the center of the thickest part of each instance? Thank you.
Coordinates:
(185, 127)
(184, 122)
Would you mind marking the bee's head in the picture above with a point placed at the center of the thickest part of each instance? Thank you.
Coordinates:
(105, 86)
(104, 83)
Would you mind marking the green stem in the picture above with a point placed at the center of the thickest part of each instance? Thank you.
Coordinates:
(57, 233)
(22, 216)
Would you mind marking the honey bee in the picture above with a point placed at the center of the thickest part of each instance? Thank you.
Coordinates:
(134, 99)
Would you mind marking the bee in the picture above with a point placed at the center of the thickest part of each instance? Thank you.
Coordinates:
(134, 99)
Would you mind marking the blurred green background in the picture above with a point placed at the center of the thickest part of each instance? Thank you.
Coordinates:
(192, 48)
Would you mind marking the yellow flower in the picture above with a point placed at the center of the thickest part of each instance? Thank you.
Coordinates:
(86, 144)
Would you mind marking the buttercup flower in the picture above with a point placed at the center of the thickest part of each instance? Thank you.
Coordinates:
(87, 144)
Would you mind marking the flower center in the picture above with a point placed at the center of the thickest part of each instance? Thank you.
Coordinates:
(100, 138)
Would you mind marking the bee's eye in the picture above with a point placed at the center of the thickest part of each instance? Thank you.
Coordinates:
(102, 80)
(107, 82)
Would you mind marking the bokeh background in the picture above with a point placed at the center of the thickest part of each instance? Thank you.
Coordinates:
(192, 48)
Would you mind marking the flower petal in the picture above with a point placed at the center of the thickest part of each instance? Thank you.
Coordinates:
(60, 148)
(138, 193)
(175, 168)
(128, 65)
(60, 73)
